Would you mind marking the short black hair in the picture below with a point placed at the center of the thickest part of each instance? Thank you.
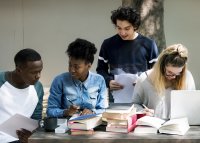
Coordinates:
(126, 13)
(26, 55)
(82, 49)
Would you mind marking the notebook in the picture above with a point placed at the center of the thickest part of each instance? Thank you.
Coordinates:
(186, 103)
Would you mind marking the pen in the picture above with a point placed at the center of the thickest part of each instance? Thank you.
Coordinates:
(70, 101)
(74, 106)
(149, 112)
(145, 106)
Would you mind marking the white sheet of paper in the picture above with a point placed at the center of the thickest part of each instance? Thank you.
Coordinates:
(17, 122)
(124, 95)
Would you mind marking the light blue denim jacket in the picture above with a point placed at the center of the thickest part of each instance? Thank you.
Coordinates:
(90, 94)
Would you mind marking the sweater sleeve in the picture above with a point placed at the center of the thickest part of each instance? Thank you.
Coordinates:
(37, 114)
(102, 99)
(55, 99)
(102, 65)
(190, 84)
(153, 54)
(138, 94)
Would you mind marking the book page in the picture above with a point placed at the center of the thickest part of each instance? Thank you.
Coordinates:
(17, 122)
(150, 121)
(176, 121)
(176, 124)
(125, 95)
(145, 130)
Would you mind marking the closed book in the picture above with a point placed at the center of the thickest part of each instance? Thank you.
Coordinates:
(120, 108)
(123, 126)
(85, 124)
(118, 122)
(125, 122)
(120, 129)
(82, 132)
(177, 126)
(119, 111)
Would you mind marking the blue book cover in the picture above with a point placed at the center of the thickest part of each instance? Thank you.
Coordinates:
(83, 117)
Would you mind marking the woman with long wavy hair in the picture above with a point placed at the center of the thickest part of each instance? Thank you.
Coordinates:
(153, 88)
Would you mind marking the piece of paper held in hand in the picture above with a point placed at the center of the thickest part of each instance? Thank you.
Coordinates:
(17, 122)
(124, 95)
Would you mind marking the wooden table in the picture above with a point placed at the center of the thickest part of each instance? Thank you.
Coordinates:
(40, 136)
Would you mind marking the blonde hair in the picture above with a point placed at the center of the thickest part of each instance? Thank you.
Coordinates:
(175, 55)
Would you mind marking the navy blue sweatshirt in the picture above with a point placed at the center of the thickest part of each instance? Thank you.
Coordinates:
(125, 56)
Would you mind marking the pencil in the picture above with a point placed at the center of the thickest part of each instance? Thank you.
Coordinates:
(145, 106)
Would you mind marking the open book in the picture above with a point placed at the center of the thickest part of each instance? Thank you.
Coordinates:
(177, 126)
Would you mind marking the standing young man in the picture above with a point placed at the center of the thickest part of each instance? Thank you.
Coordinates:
(21, 92)
(127, 51)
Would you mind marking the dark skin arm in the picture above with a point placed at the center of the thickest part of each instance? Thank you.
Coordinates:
(75, 109)
(86, 111)
(71, 111)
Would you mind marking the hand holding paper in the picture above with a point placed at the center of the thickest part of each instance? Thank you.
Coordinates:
(23, 135)
(18, 122)
(125, 94)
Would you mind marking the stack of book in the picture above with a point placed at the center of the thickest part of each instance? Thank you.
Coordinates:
(85, 124)
(120, 117)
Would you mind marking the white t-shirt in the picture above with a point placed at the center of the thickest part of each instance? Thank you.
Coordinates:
(23, 101)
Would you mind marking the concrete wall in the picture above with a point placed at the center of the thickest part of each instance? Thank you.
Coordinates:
(182, 26)
(50, 25)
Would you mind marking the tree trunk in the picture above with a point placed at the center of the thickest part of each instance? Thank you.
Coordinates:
(152, 19)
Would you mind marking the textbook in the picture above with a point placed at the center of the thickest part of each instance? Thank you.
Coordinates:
(120, 108)
(122, 126)
(85, 124)
(82, 132)
(82, 117)
(177, 126)
(119, 111)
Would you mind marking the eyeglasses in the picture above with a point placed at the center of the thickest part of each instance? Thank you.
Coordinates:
(171, 74)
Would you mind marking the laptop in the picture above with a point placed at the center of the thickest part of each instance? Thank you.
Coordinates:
(186, 103)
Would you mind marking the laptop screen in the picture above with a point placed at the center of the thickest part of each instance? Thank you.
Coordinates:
(186, 103)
